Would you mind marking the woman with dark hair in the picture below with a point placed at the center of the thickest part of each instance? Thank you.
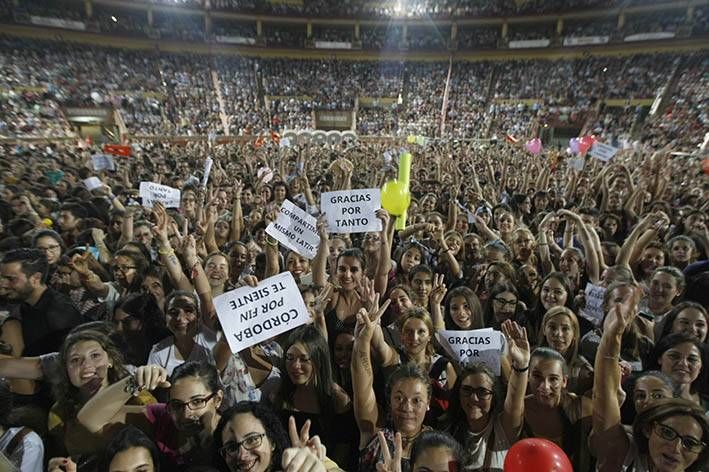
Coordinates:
(555, 291)
(462, 310)
(503, 304)
(308, 392)
(666, 284)
(51, 244)
(182, 428)
(141, 322)
(645, 388)
(130, 450)
(250, 437)
(484, 422)
(681, 357)
(686, 317)
(432, 451)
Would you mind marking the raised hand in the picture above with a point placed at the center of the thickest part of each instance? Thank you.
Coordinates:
(623, 311)
(438, 292)
(383, 215)
(365, 292)
(150, 377)
(61, 464)
(302, 438)
(391, 463)
(80, 263)
(367, 320)
(518, 343)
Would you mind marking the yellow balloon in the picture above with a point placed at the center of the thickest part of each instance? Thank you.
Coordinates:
(411, 139)
(395, 197)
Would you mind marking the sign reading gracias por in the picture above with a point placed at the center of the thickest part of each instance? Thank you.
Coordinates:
(475, 346)
(250, 315)
(352, 211)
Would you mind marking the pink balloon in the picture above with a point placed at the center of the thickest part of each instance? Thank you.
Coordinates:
(574, 145)
(586, 143)
(536, 454)
(534, 146)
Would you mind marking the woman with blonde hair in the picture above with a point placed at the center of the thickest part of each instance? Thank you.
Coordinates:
(560, 331)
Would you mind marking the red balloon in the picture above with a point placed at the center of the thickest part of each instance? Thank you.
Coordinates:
(585, 144)
(536, 454)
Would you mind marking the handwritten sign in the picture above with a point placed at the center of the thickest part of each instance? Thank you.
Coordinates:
(593, 311)
(103, 162)
(151, 192)
(250, 315)
(475, 346)
(296, 230)
(92, 183)
(602, 152)
(352, 211)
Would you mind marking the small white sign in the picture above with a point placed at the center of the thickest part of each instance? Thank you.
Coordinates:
(103, 162)
(92, 183)
(250, 315)
(593, 311)
(603, 152)
(474, 346)
(150, 192)
(208, 163)
(352, 211)
(296, 230)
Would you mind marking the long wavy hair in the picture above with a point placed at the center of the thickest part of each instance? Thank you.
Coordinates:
(322, 379)
(68, 396)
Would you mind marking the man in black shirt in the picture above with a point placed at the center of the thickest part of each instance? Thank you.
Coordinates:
(46, 315)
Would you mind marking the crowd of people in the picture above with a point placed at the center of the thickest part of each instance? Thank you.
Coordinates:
(114, 355)
(173, 94)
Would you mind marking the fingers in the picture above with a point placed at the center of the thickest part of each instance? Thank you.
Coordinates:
(293, 431)
(398, 452)
(385, 448)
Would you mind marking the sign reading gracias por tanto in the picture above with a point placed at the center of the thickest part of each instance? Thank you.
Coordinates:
(150, 192)
(250, 315)
(352, 211)
(296, 230)
(482, 346)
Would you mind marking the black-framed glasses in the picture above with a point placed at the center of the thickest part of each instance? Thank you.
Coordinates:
(123, 269)
(688, 442)
(53, 247)
(504, 302)
(250, 442)
(481, 392)
(176, 406)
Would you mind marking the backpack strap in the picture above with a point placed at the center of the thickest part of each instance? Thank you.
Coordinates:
(16, 440)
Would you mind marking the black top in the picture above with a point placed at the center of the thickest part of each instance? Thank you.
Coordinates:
(45, 324)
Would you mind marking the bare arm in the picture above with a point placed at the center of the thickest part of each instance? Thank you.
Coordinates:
(381, 277)
(513, 412)
(320, 261)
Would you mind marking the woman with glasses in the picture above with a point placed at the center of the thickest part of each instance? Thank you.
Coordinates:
(479, 418)
(654, 442)
(250, 437)
(51, 244)
(503, 304)
(182, 428)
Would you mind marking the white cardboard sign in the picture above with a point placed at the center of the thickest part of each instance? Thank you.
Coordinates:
(151, 192)
(92, 183)
(296, 230)
(352, 211)
(474, 346)
(103, 162)
(593, 311)
(602, 152)
(250, 315)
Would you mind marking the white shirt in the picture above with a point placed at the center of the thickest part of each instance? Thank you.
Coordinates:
(28, 456)
(165, 352)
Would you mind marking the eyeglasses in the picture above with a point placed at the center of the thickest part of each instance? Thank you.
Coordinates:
(250, 443)
(292, 359)
(504, 302)
(177, 406)
(669, 434)
(49, 248)
(480, 392)
(123, 269)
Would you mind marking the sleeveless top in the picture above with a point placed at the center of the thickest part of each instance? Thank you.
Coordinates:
(486, 451)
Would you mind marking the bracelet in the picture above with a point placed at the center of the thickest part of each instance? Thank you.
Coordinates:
(542, 244)
(166, 251)
(274, 244)
(131, 386)
(520, 370)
